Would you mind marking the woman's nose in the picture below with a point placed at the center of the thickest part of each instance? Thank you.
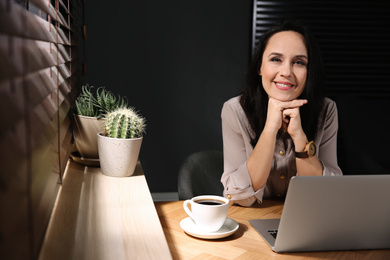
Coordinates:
(286, 70)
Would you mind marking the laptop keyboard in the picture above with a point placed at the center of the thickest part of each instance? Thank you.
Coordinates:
(273, 232)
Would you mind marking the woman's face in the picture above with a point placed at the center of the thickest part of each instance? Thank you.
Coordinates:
(284, 66)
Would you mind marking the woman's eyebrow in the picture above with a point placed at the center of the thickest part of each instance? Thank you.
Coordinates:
(275, 53)
(302, 56)
(280, 54)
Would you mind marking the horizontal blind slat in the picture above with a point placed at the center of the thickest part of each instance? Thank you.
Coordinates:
(24, 56)
(19, 22)
(50, 10)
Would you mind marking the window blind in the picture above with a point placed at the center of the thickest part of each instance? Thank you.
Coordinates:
(41, 50)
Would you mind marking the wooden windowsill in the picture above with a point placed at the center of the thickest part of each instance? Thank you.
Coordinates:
(101, 217)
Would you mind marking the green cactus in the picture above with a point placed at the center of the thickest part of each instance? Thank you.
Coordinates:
(124, 123)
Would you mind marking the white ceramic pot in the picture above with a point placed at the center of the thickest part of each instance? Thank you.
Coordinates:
(85, 132)
(118, 157)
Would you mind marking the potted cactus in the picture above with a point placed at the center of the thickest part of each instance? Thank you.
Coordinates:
(120, 143)
(90, 109)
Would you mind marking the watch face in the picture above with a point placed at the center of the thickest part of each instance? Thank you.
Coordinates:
(312, 149)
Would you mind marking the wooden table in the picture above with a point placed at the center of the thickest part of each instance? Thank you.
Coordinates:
(100, 217)
(246, 243)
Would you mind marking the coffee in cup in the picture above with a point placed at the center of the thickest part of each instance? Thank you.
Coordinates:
(208, 211)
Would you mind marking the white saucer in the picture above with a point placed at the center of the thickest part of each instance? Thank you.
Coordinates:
(229, 227)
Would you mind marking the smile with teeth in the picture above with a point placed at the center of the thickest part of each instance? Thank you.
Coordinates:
(283, 86)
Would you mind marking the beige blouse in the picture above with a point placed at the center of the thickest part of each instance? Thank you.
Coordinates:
(237, 148)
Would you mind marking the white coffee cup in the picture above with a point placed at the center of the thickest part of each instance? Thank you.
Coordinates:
(208, 211)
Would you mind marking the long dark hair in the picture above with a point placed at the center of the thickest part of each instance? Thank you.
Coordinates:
(254, 99)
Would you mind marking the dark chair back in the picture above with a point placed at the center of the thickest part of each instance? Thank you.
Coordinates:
(200, 174)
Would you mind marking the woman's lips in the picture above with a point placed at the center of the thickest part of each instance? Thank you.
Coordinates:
(283, 85)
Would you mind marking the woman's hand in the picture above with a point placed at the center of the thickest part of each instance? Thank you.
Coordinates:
(284, 114)
(293, 126)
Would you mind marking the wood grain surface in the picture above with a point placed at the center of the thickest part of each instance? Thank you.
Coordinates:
(100, 217)
(245, 243)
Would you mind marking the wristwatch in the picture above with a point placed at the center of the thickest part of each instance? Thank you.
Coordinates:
(309, 151)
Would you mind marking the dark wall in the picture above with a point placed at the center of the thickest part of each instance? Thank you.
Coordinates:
(177, 62)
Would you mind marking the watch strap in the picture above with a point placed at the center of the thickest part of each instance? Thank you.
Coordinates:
(303, 155)
(306, 152)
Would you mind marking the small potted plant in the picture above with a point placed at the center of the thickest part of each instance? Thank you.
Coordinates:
(120, 143)
(90, 109)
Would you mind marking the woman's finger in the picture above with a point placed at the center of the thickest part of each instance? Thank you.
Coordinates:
(282, 105)
(286, 118)
(293, 103)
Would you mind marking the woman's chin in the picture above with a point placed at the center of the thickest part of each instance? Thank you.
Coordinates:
(282, 98)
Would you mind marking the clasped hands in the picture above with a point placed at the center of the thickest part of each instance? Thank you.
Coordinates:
(285, 115)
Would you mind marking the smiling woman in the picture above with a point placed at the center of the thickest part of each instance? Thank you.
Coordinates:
(270, 132)
(283, 69)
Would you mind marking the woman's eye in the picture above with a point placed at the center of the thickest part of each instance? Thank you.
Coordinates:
(276, 60)
(300, 63)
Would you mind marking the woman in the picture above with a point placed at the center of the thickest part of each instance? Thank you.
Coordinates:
(281, 125)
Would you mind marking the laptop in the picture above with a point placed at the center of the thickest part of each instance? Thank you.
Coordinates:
(323, 213)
